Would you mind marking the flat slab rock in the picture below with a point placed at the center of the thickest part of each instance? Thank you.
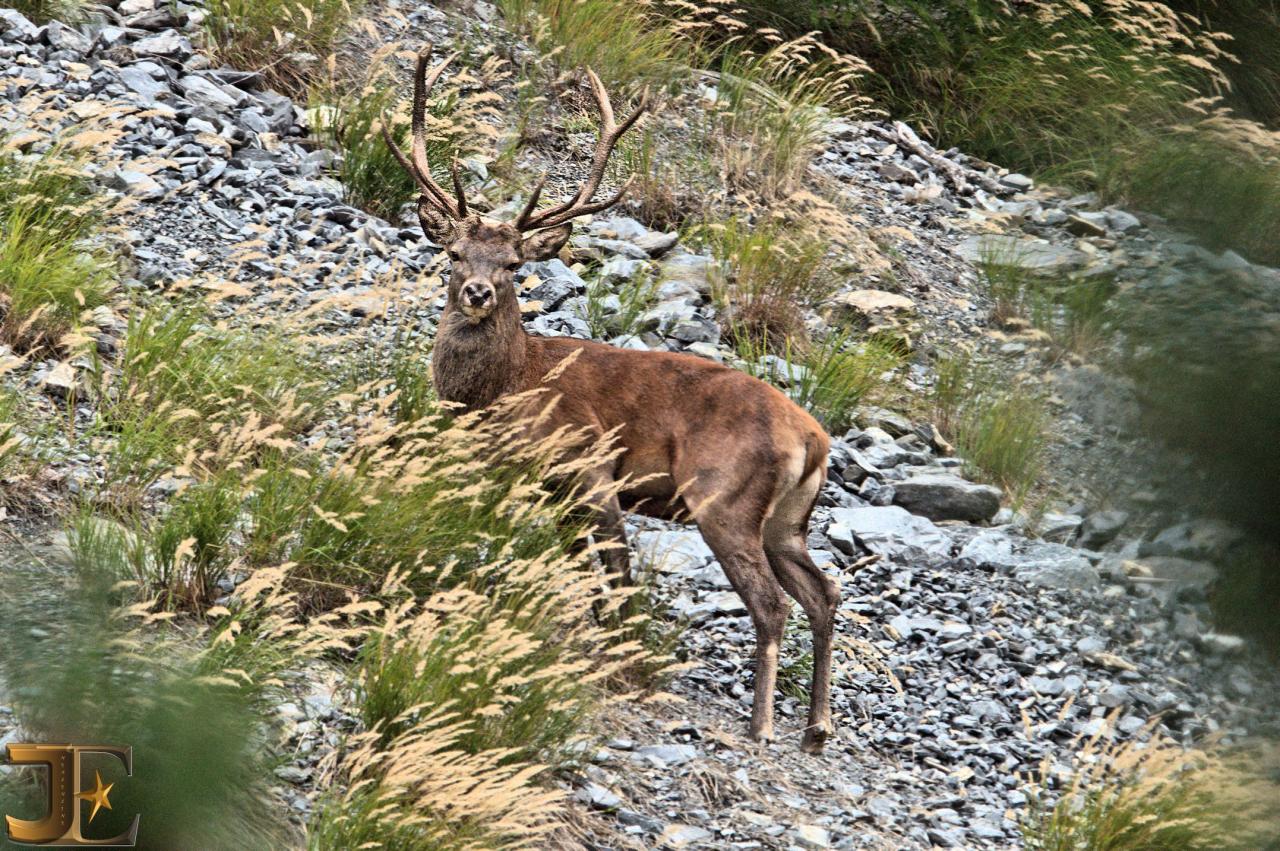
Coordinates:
(890, 531)
(942, 496)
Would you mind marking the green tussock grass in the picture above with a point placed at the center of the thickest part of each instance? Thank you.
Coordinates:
(771, 270)
(998, 426)
(51, 269)
(43, 11)
(284, 40)
(179, 375)
(1137, 796)
(829, 377)
(349, 116)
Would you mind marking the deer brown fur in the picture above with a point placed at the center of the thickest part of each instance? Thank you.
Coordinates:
(698, 439)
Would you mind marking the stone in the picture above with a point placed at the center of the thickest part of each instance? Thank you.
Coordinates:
(203, 91)
(14, 25)
(897, 173)
(138, 78)
(62, 37)
(1087, 224)
(1017, 182)
(1222, 644)
(668, 754)
(60, 381)
(871, 308)
(1193, 539)
(1122, 221)
(1180, 573)
(943, 496)
(656, 244)
(1101, 528)
(683, 836)
(1055, 566)
(1034, 255)
(811, 836)
(890, 531)
(137, 184)
(598, 797)
(694, 271)
(673, 551)
(1059, 528)
(169, 43)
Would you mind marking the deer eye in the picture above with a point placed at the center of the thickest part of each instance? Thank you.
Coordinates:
(453, 255)
(514, 267)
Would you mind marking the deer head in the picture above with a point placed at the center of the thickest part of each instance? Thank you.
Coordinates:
(485, 254)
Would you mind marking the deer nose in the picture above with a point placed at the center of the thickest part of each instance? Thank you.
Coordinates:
(476, 294)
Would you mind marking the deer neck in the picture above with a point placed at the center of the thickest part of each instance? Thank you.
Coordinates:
(475, 364)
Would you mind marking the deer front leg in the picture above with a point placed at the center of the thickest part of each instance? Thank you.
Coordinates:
(608, 528)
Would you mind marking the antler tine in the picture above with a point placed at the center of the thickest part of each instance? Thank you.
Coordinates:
(419, 166)
(457, 190)
(429, 189)
(610, 131)
(531, 203)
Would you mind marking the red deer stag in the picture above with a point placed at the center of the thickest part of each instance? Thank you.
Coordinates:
(704, 441)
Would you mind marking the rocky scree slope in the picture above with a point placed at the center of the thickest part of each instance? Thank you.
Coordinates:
(970, 651)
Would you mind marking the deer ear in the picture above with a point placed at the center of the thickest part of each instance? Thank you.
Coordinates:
(545, 244)
(438, 227)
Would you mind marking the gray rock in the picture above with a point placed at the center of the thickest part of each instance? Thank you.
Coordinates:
(1034, 255)
(1060, 528)
(15, 26)
(1222, 644)
(205, 92)
(1180, 573)
(811, 836)
(1101, 528)
(1122, 221)
(169, 43)
(1017, 182)
(1055, 566)
(668, 755)
(1193, 539)
(598, 797)
(695, 271)
(888, 530)
(140, 78)
(62, 37)
(137, 184)
(684, 835)
(942, 496)
(1087, 224)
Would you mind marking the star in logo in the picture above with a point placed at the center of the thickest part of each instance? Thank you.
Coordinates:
(97, 796)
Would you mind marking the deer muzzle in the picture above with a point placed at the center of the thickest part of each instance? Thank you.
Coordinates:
(476, 300)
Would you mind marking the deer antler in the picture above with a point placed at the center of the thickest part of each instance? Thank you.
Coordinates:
(419, 167)
(580, 204)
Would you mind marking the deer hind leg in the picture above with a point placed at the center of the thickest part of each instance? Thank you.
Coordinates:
(817, 593)
(740, 552)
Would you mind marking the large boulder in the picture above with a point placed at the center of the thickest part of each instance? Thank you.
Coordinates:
(943, 496)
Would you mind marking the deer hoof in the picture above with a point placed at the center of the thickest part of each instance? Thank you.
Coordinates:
(764, 735)
(814, 740)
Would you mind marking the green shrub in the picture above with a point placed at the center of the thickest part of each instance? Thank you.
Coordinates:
(621, 318)
(197, 741)
(50, 270)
